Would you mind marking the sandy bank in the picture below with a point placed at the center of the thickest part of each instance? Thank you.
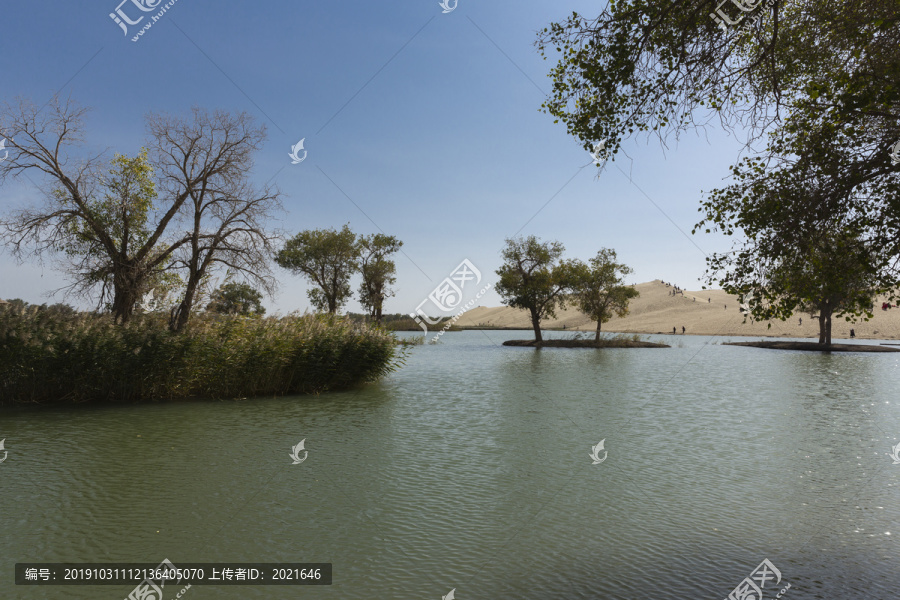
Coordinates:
(705, 312)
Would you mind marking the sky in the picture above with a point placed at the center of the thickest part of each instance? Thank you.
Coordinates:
(417, 123)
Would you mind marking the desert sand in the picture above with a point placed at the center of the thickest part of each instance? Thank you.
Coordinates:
(705, 312)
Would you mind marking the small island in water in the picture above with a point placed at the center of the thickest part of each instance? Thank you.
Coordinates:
(613, 342)
(814, 346)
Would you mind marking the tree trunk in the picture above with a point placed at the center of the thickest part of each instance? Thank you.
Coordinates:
(126, 293)
(181, 314)
(597, 337)
(124, 301)
(825, 327)
(536, 323)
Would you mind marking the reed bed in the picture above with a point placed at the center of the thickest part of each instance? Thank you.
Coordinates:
(49, 356)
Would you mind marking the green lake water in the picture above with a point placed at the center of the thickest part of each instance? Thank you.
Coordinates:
(470, 469)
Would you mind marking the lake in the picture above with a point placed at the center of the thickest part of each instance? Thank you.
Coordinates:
(470, 469)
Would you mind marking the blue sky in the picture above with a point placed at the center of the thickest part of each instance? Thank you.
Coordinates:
(419, 124)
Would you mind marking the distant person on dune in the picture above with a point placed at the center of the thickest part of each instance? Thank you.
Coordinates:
(673, 331)
(682, 330)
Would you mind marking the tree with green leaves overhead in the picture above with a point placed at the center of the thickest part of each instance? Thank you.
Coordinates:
(377, 271)
(598, 288)
(327, 258)
(820, 79)
(534, 278)
(667, 67)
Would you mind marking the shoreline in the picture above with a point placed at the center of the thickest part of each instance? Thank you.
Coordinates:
(702, 334)
(703, 313)
(814, 346)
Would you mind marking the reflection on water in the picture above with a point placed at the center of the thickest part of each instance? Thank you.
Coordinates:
(470, 469)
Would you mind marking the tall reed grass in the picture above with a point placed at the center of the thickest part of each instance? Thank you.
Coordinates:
(49, 356)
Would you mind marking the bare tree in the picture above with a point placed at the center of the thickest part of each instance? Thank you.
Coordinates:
(115, 229)
(225, 216)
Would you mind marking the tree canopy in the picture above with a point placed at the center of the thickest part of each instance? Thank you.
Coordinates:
(533, 278)
(327, 258)
(813, 232)
(378, 271)
(667, 67)
(233, 298)
(598, 288)
(122, 212)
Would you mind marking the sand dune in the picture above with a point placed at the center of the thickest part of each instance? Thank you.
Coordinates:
(705, 312)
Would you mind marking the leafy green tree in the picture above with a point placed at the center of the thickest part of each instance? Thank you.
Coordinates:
(117, 221)
(825, 275)
(599, 290)
(815, 232)
(840, 277)
(328, 259)
(234, 298)
(819, 80)
(534, 278)
(798, 249)
(378, 271)
(666, 67)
